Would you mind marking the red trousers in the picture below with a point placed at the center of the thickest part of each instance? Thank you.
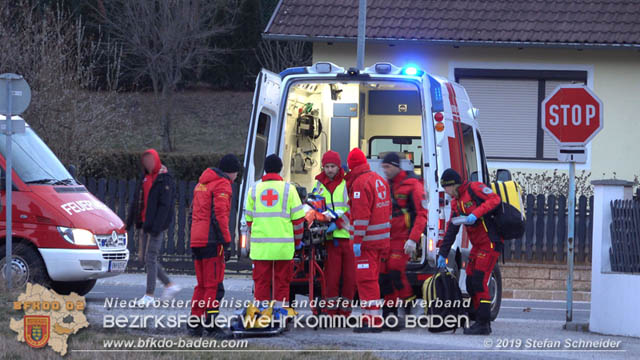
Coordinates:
(481, 264)
(394, 284)
(340, 265)
(209, 275)
(368, 267)
(272, 279)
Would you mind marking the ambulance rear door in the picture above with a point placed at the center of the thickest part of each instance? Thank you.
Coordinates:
(261, 139)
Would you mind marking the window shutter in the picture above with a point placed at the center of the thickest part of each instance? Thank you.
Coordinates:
(508, 112)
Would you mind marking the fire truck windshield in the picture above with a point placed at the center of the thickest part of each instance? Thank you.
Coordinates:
(33, 161)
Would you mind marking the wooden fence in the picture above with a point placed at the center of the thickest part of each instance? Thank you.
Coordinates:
(544, 240)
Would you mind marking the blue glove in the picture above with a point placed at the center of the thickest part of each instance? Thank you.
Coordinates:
(471, 219)
(299, 246)
(356, 250)
(332, 227)
(442, 262)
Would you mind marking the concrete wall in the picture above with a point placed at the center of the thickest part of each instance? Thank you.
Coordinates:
(614, 75)
(614, 297)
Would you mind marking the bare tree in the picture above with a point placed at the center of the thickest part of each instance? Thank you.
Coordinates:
(279, 55)
(52, 51)
(163, 40)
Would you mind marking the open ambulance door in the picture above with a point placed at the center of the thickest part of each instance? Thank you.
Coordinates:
(261, 140)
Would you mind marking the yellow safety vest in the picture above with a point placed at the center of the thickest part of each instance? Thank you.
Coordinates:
(338, 201)
(272, 206)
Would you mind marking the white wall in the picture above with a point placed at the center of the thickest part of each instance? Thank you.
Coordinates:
(614, 296)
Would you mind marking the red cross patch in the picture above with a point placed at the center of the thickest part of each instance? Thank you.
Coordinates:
(269, 197)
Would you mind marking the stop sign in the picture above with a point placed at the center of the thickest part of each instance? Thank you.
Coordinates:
(572, 115)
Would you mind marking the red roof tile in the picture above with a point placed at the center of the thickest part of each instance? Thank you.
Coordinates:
(541, 22)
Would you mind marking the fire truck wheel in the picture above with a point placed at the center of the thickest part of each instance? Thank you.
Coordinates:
(27, 266)
(79, 287)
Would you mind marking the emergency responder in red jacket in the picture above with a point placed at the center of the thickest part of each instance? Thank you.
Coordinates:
(476, 201)
(339, 267)
(370, 213)
(210, 240)
(409, 218)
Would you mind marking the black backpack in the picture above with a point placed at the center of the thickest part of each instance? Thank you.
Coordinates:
(443, 298)
(509, 216)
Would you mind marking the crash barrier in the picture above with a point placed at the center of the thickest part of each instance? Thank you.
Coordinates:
(544, 240)
(624, 252)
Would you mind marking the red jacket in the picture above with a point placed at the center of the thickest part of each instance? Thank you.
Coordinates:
(369, 208)
(409, 212)
(211, 208)
(479, 233)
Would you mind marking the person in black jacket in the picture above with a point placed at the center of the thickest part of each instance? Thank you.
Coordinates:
(152, 211)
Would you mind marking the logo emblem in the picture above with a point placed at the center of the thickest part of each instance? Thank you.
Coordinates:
(269, 197)
(114, 237)
(36, 330)
(381, 189)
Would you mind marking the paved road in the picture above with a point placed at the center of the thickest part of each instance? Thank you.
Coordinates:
(523, 326)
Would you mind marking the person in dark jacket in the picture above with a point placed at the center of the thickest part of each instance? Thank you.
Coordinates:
(152, 212)
(210, 240)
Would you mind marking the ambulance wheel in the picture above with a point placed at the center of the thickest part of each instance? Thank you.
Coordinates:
(27, 266)
(495, 290)
(79, 287)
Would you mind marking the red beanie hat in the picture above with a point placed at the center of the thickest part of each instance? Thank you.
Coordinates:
(331, 157)
(356, 157)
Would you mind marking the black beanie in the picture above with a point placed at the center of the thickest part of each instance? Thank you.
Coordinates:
(272, 164)
(450, 177)
(229, 163)
(392, 159)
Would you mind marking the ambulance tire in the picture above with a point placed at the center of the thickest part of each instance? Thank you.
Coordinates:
(495, 289)
(79, 287)
(28, 265)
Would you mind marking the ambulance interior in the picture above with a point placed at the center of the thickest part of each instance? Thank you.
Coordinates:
(377, 117)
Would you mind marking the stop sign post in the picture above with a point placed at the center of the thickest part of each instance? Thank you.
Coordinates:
(572, 115)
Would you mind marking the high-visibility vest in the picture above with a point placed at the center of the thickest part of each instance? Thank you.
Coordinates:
(338, 201)
(271, 207)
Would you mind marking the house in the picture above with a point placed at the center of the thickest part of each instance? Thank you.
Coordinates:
(508, 55)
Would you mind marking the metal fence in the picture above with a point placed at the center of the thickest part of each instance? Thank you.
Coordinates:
(625, 236)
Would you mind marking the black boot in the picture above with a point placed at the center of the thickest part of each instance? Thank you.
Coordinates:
(195, 331)
(388, 312)
(211, 329)
(482, 326)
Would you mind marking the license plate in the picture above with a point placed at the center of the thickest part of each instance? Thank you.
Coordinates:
(117, 265)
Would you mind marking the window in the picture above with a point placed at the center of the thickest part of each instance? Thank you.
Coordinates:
(509, 109)
(470, 152)
(410, 146)
(260, 147)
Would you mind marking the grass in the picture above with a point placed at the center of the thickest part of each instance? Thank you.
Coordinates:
(203, 122)
(93, 338)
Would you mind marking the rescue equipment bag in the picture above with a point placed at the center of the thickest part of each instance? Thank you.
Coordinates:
(509, 215)
(443, 298)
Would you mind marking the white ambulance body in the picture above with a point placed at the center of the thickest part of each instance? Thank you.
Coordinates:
(303, 112)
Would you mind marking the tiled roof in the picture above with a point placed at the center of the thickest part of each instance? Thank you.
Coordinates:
(532, 22)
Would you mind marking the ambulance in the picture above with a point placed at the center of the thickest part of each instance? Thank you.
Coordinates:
(304, 111)
(63, 237)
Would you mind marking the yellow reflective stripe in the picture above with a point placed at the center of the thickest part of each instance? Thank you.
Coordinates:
(285, 200)
(271, 240)
(485, 301)
(297, 208)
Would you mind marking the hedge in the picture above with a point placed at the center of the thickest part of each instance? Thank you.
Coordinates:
(127, 165)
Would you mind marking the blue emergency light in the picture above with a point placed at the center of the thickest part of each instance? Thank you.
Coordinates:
(411, 71)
